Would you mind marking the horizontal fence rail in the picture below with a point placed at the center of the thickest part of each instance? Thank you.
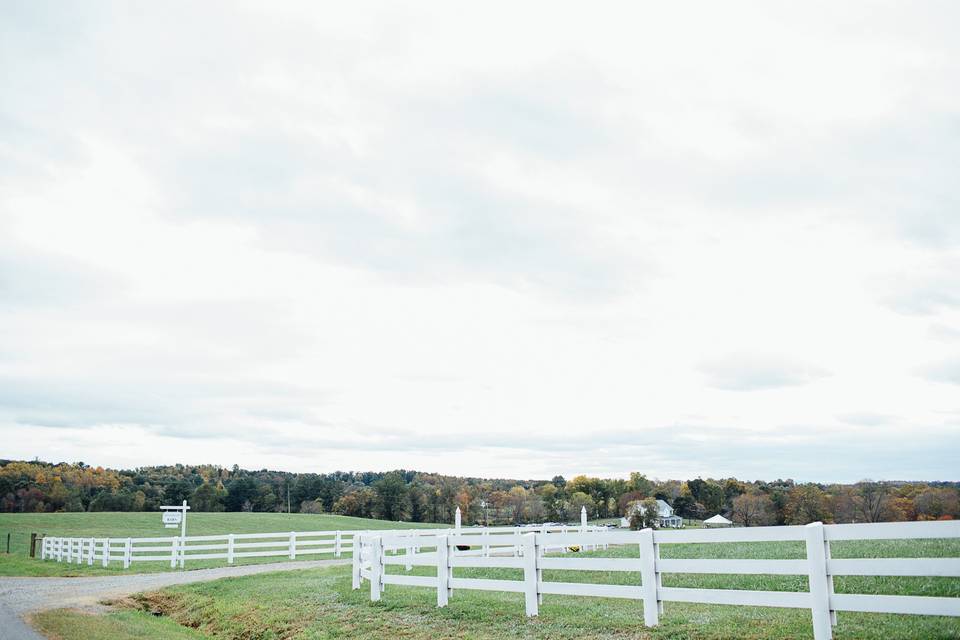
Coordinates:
(525, 549)
(178, 550)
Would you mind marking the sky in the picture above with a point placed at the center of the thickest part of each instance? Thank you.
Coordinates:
(490, 239)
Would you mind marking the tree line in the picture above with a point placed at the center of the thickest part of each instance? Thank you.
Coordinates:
(414, 496)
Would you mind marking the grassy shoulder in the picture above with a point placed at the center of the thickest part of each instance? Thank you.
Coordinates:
(66, 624)
(92, 525)
(320, 604)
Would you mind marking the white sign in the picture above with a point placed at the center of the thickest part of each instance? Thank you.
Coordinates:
(172, 518)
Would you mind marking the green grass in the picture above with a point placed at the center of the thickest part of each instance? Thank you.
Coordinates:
(92, 525)
(315, 604)
(123, 625)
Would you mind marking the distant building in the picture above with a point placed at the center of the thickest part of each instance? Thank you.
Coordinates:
(665, 515)
(717, 521)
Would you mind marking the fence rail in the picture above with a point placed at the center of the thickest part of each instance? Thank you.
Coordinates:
(526, 551)
(179, 550)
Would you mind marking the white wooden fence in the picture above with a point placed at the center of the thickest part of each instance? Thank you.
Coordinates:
(818, 565)
(178, 550)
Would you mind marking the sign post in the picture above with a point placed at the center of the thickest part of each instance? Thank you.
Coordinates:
(177, 515)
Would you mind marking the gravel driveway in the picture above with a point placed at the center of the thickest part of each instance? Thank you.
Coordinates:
(20, 596)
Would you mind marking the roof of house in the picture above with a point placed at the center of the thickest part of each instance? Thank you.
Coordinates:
(664, 508)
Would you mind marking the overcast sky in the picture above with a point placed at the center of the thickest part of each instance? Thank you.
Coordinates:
(496, 239)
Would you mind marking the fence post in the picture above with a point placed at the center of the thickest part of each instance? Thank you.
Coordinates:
(230, 549)
(443, 572)
(128, 553)
(819, 591)
(173, 552)
(451, 552)
(486, 544)
(541, 545)
(336, 545)
(355, 558)
(376, 567)
(106, 552)
(648, 576)
(827, 556)
(293, 545)
(530, 574)
(93, 552)
(656, 565)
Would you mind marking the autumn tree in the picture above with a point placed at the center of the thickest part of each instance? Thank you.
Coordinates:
(807, 503)
(752, 509)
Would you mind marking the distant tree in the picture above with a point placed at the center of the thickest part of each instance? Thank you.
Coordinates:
(266, 500)
(752, 509)
(206, 497)
(873, 500)
(935, 503)
(627, 499)
(391, 493)
(807, 503)
(358, 503)
(177, 492)
(558, 482)
(577, 501)
(638, 483)
(685, 506)
(644, 514)
(418, 500)
(311, 506)
(239, 492)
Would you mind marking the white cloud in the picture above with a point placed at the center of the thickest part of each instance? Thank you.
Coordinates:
(751, 372)
(430, 237)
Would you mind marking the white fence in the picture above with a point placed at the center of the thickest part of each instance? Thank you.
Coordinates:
(295, 544)
(818, 565)
(178, 550)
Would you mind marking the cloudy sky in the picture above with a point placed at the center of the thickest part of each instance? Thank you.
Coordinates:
(496, 239)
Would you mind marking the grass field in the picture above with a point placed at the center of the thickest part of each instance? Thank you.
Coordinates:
(316, 604)
(21, 525)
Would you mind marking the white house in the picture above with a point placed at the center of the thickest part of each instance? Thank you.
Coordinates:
(665, 515)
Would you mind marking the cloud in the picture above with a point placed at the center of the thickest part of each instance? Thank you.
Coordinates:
(943, 332)
(926, 295)
(752, 372)
(303, 238)
(868, 419)
(947, 371)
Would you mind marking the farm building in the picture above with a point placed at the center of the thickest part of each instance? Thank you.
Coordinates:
(665, 516)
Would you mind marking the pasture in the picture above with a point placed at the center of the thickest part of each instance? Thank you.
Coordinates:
(140, 524)
(317, 604)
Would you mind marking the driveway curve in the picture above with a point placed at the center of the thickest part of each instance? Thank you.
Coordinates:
(20, 596)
